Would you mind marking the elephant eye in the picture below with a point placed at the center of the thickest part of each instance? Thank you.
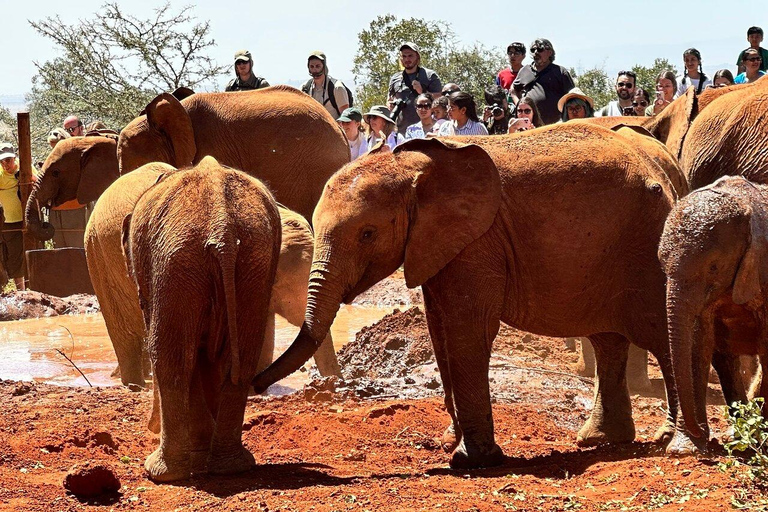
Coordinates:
(55, 173)
(367, 235)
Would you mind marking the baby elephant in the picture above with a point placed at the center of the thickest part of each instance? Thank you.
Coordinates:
(202, 246)
(714, 251)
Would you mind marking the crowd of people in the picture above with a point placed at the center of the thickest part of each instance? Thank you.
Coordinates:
(521, 97)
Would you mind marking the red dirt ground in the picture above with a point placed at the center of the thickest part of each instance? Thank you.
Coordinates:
(343, 452)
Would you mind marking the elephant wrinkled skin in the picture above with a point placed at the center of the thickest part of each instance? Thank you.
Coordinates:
(553, 231)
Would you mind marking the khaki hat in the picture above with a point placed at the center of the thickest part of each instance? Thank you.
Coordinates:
(379, 111)
(317, 54)
(6, 150)
(411, 46)
(243, 55)
(574, 93)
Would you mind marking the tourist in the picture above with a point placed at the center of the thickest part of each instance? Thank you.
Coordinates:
(328, 91)
(640, 101)
(350, 122)
(407, 85)
(74, 126)
(625, 90)
(10, 199)
(526, 116)
(722, 78)
(496, 114)
(755, 37)
(693, 74)
(426, 122)
(543, 80)
(245, 79)
(463, 113)
(666, 86)
(575, 105)
(515, 55)
(382, 127)
(752, 61)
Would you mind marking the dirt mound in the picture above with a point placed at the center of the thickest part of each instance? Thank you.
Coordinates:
(88, 480)
(391, 347)
(30, 304)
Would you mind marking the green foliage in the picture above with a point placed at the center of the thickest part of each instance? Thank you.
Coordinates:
(111, 65)
(750, 436)
(377, 57)
(596, 84)
(646, 76)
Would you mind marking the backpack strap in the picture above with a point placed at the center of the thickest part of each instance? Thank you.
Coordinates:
(329, 91)
(306, 87)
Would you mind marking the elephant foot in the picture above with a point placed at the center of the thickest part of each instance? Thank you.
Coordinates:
(198, 460)
(450, 440)
(684, 445)
(228, 465)
(473, 456)
(153, 424)
(593, 434)
(639, 383)
(161, 469)
(665, 433)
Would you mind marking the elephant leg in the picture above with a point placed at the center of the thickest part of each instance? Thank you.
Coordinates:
(201, 423)
(154, 417)
(466, 329)
(728, 368)
(637, 370)
(268, 349)
(611, 419)
(586, 365)
(325, 358)
(228, 455)
(126, 340)
(452, 434)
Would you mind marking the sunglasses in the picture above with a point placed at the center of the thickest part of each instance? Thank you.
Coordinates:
(538, 49)
(628, 85)
(72, 129)
(753, 59)
(640, 103)
(423, 106)
(524, 111)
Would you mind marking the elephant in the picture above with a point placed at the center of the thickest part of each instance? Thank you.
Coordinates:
(202, 246)
(714, 252)
(117, 294)
(553, 231)
(75, 173)
(277, 134)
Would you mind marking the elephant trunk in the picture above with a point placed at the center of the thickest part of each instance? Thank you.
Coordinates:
(681, 322)
(39, 230)
(324, 297)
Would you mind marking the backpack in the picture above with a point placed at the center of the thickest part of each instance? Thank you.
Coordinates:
(306, 87)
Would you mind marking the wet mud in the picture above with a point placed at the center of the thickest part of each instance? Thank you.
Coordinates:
(367, 441)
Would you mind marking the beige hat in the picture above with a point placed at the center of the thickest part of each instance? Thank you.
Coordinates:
(574, 93)
(6, 151)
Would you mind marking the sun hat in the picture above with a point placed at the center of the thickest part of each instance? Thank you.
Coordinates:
(351, 114)
(244, 55)
(379, 111)
(6, 151)
(574, 93)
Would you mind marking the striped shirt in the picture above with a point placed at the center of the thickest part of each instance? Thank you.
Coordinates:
(471, 128)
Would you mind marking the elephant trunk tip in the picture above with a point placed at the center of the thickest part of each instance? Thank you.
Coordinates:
(291, 360)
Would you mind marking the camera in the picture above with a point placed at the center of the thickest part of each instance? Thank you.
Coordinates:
(628, 111)
(496, 110)
(397, 106)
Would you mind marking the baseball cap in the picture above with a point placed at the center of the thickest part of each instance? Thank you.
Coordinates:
(6, 151)
(516, 47)
(317, 54)
(411, 46)
(351, 114)
(243, 55)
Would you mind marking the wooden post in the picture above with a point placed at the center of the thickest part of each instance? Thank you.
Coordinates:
(25, 176)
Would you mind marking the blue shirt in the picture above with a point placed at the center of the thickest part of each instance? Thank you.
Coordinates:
(742, 78)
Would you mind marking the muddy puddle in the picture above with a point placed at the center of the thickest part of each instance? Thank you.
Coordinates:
(28, 348)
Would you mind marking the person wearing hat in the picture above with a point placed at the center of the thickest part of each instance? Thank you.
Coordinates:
(543, 81)
(328, 91)
(576, 105)
(10, 199)
(405, 86)
(515, 54)
(382, 127)
(244, 79)
(350, 121)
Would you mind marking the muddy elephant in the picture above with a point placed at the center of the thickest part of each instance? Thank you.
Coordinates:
(278, 134)
(714, 251)
(553, 231)
(117, 294)
(75, 173)
(204, 277)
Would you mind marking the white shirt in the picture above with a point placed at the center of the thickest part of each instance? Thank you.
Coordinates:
(471, 128)
(358, 147)
(613, 109)
(682, 87)
(394, 140)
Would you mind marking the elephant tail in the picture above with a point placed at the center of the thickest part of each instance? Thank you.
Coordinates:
(226, 254)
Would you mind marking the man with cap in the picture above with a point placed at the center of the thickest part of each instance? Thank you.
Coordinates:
(349, 120)
(405, 87)
(328, 91)
(515, 54)
(10, 199)
(244, 79)
(74, 126)
(543, 81)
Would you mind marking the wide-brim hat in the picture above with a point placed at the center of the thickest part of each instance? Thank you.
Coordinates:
(574, 93)
(6, 151)
(351, 114)
(379, 111)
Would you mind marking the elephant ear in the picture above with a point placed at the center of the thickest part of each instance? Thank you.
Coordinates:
(672, 124)
(752, 274)
(182, 92)
(457, 193)
(98, 169)
(168, 116)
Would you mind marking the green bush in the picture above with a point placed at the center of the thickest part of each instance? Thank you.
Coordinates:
(750, 437)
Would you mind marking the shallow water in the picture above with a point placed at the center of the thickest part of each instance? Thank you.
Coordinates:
(28, 347)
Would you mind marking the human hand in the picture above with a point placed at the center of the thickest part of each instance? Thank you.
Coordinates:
(487, 112)
(519, 124)
(417, 87)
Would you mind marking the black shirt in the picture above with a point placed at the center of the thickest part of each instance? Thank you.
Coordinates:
(545, 88)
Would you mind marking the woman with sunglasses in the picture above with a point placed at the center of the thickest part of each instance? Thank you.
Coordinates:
(752, 61)
(640, 101)
(526, 116)
(426, 122)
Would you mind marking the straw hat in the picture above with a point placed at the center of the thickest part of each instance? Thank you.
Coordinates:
(574, 93)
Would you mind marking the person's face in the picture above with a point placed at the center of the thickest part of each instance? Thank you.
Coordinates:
(457, 113)
(515, 58)
(752, 62)
(639, 104)
(721, 81)
(315, 67)
(575, 111)
(540, 55)
(691, 63)
(666, 88)
(376, 123)
(625, 87)
(440, 112)
(351, 129)
(424, 108)
(525, 111)
(754, 40)
(243, 68)
(409, 58)
(7, 164)
(75, 129)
